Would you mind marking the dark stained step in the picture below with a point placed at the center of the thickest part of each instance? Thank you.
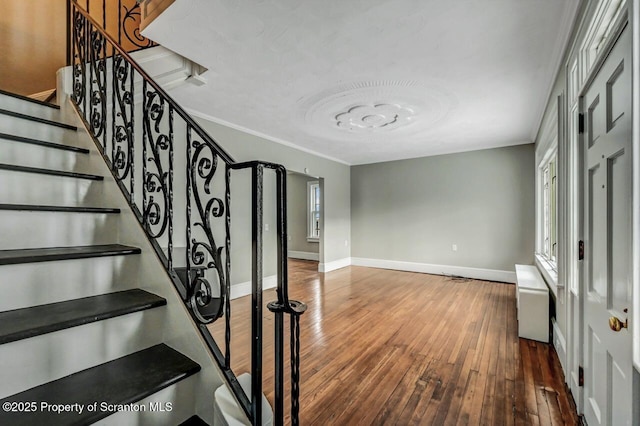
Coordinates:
(9, 257)
(43, 143)
(123, 381)
(29, 322)
(194, 421)
(37, 119)
(65, 209)
(28, 99)
(14, 168)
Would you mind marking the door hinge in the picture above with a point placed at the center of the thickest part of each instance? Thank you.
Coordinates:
(580, 376)
(580, 250)
(580, 123)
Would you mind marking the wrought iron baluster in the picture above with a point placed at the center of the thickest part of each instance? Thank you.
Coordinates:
(227, 300)
(79, 54)
(87, 95)
(120, 22)
(131, 18)
(188, 210)
(114, 94)
(295, 367)
(122, 121)
(132, 150)
(145, 136)
(156, 175)
(169, 202)
(284, 305)
(257, 174)
(98, 86)
(278, 307)
(202, 167)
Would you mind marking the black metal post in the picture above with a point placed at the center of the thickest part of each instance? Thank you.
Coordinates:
(70, 40)
(145, 137)
(257, 173)
(131, 135)
(169, 199)
(120, 24)
(188, 211)
(227, 302)
(87, 87)
(281, 194)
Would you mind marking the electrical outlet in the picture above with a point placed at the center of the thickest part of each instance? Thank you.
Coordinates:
(454, 247)
(289, 237)
(346, 243)
(266, 227)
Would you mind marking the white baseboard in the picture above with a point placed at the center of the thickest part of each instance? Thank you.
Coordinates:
(560, 344)
(304, 255)
(244, 289)
(426, 268)
(336, 264)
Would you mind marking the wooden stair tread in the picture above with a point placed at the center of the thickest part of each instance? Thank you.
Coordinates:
(122, 381)
(33, 321)
(43, 143)
(67, 209)
(37, 119)
(16, 168)
(28, 99)
(8, 257)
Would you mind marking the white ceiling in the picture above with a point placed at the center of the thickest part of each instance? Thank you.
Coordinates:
(365, 81)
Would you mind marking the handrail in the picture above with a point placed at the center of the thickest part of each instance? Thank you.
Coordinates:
(100, 64)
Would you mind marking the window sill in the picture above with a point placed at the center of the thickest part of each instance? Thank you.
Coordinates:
(549, 272)
(313, 240)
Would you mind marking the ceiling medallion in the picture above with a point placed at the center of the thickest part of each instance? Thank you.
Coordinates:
(373, 117)
(370, 110)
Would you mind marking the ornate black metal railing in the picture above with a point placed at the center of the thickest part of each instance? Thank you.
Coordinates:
(155, 149)
(119, 18)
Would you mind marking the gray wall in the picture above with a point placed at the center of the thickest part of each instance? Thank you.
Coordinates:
(336, 226)
(297, 213)
(415, 210)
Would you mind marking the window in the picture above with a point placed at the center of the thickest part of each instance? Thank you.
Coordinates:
(549, 207)
(313, 216)
(599, 32)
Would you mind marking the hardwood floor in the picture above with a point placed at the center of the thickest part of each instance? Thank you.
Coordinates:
(389, 347)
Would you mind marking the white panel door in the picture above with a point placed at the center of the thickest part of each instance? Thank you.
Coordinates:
(607, 222)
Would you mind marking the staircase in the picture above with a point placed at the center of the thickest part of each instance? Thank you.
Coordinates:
(91, 327)
(115, 253)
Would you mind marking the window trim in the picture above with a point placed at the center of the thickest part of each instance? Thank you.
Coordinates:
(310, 212)
(549, 186)
(550, 157)
(546, 151)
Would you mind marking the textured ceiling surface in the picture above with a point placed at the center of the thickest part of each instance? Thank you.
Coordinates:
(370, 81)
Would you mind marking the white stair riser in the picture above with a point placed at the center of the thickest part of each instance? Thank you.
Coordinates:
(30, 155)
(31, 362)
(56, 229)
(30, 108)
(33, 188)
(178, 401)
(29, 284)
(34, 130)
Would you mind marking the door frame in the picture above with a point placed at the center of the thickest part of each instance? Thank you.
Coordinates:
(635, 148)
(576, 304)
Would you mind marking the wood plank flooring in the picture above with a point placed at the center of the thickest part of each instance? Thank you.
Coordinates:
(389, 347)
